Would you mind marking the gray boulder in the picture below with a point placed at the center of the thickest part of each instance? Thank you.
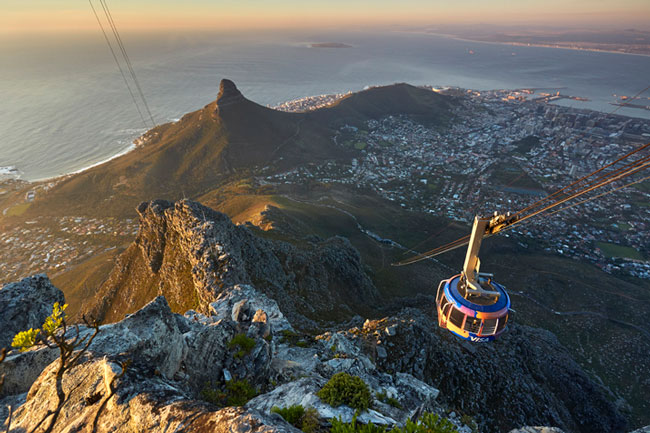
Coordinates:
(242, 301)
(150, 336)
(210, 352)
(21, 369)
(25, 304)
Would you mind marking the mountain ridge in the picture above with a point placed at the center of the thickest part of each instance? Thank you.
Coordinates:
(223, 141)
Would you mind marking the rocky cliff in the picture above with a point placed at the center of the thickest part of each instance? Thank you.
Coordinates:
(190, 253)
(175, 363)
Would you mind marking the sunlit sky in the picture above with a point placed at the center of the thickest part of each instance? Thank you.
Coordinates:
(40, 15)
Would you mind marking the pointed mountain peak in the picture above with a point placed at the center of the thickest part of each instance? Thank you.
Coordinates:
(228, 94)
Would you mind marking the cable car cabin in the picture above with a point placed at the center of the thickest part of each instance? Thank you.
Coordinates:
(470, 304)
(474, 318)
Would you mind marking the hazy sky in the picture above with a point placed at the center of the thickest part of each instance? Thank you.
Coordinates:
(33, 15)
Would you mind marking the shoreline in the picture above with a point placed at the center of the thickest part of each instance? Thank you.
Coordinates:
(519, 44)
(123, 152)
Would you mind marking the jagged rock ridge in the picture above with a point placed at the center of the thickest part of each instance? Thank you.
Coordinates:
(190, 253)
(173, 357)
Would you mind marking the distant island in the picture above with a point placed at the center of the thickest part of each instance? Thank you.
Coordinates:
(330, 45)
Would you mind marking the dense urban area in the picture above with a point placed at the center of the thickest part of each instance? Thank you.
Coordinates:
(505, 150)
(502, 151)
(54, 244)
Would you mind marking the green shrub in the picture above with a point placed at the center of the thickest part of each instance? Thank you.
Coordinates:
(292, 414)
(239, 392)
(343, 388)
(393, 402)
(212, 394)
(310, 421)
(296, 415)
(27, 339)
(287, 333)
(236, 393)
(339, 426)
(428, 423)
(244, 343)
(384, 398)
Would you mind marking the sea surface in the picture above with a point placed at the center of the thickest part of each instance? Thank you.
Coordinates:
(64, 105)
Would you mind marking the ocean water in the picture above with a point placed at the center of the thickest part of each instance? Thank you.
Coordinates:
(64, 106)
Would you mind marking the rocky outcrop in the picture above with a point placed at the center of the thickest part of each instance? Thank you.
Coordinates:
(20, 370)
(190, 254)
(26, 304)
(410, 367)
(243, 301)
(170, 359)
(525, 378)
(228, 94)
(136, 402)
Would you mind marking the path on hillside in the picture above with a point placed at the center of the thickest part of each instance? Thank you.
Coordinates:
(285, 142)
(375, 237)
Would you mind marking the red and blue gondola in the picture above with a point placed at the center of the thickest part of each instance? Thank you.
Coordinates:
(474, 321)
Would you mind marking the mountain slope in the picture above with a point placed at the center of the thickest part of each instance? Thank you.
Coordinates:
(399, 99)
(224, 141)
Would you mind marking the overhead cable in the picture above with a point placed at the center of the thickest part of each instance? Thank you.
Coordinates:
(118, 38)
(110, 46)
